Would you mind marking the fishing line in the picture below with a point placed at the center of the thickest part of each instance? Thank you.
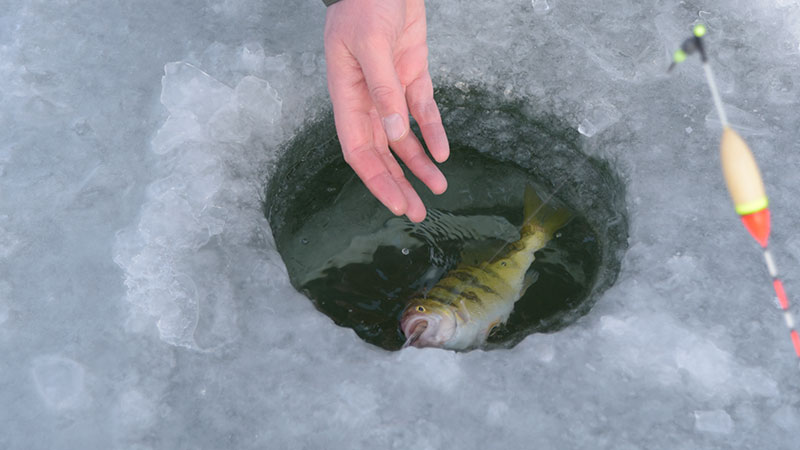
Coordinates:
(712, 84)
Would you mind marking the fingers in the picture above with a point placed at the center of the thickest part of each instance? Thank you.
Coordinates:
(371, 110)
(385, 89)
(387, 95)
(415, 209)
(370, 167)
(354, 125)
(420, 99)
(413, 155)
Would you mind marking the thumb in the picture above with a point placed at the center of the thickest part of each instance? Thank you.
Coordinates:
(386, 91)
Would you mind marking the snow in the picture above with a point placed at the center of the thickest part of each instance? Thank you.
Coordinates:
(143, 304)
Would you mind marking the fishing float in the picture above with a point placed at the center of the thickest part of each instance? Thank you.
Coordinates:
(742, 178)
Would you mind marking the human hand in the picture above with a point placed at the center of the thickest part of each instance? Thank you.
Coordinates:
(377, 58)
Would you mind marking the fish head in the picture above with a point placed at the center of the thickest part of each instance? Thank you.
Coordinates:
(428, 323)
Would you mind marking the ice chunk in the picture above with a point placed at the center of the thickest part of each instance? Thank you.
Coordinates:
(599, 116)
(257, 100)
(252, 57)
(254, 107)
(217, 312)
(227, 125)
(706, 362)
(59, 380)
(185, 89)
(177, 311)
(175, 131)
(168, 255)
(716, 421)
(540, 6)
(171, 221)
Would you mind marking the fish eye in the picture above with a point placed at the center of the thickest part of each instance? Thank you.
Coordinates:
(421, 308)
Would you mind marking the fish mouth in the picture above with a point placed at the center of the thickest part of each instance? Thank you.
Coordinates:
(428, 330)
(417, 327)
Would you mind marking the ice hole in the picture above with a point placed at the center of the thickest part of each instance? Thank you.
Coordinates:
(360, 265)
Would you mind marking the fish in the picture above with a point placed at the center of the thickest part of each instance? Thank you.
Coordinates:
(460, 311)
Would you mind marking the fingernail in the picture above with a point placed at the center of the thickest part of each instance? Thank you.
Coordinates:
(394, 126)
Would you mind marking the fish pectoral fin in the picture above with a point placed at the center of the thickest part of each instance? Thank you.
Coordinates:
(463, 312)
(492, 326)
(531, 276)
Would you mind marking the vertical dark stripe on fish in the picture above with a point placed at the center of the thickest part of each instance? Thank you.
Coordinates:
(447, 300)
(489, 271)
(459, 291)
(486, 289)
(471, 296)
(470, 279)
(462, 275)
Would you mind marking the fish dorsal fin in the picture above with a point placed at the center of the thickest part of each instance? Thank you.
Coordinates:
(478, 252)
(550, 217)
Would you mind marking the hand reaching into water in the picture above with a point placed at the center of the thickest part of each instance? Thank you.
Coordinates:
(377, 58)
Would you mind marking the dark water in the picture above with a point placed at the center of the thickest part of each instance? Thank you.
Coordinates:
(370, 296)
(359, 265)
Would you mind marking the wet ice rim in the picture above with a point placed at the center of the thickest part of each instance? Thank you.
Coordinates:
(507, 129)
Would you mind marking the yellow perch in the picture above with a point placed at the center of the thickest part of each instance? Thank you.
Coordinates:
(461, 310)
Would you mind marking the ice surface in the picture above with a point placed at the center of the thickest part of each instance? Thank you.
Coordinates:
(143, 306)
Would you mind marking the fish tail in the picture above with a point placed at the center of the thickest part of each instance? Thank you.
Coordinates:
(540, 215)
